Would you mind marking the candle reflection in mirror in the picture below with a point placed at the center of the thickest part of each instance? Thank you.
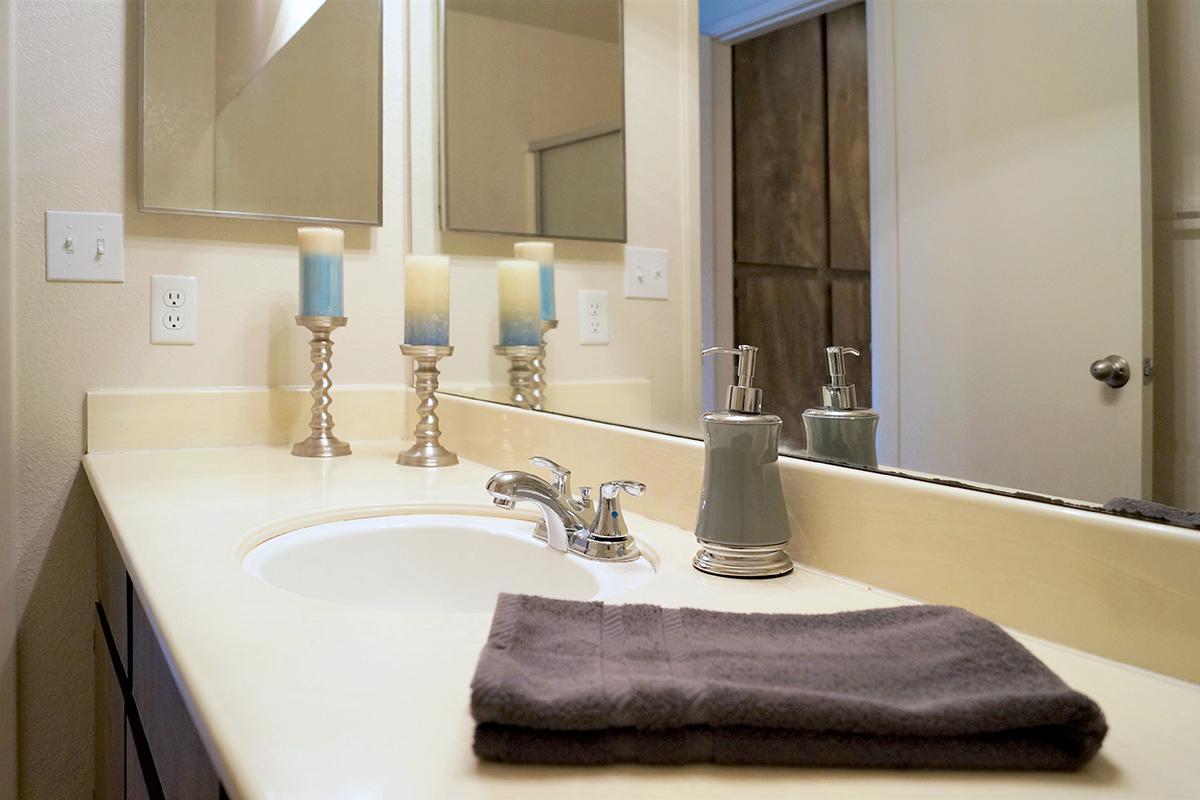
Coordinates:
(520, 302)
(543, 254)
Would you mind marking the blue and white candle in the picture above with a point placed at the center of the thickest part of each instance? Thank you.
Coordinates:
(427, 300)
(520, 302)
(321, 272)
(543, 254)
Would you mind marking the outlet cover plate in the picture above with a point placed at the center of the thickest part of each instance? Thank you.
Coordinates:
(173, 307)
(85, 246)
(593, 316)
(645, 273)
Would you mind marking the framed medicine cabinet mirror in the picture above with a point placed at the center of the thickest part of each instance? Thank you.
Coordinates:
(263, 109)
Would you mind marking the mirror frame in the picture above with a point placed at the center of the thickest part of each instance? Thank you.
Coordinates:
(143, 207)
(444, 160)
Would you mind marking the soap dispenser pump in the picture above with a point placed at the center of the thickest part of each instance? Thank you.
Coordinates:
(742, 526)
(839, 430)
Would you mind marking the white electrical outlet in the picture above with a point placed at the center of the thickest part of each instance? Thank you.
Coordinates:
(173, 306)
(593, 316)
(645, 273)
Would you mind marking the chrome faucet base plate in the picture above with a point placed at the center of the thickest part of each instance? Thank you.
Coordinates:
(593, 549)
(601, 550)
(748, 561)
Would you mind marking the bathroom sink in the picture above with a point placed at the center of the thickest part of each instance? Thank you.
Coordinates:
(433, 562)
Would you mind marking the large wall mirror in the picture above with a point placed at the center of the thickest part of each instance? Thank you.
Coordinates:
(533, 118)
(262, 108)
(994, 204)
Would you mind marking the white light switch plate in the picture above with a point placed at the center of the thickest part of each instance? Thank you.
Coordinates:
(85, 246)
(173, 308)
(645, 273)
(593, 316)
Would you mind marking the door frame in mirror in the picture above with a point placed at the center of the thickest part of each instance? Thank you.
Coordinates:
(751, 20)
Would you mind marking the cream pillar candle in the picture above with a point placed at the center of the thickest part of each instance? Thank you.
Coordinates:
(520, 302)
(543, 254)
(321, 271)
(427, 300)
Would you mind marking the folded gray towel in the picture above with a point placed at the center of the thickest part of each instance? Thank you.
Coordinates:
(565, 682)
(1154, 512)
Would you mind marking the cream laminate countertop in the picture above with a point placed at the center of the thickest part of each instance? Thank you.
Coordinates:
(299, 698)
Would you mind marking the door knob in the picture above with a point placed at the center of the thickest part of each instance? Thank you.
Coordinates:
(1113, 370)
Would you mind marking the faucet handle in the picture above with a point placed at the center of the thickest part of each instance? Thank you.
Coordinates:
(562, 475)
(610, 490)
(609, 522)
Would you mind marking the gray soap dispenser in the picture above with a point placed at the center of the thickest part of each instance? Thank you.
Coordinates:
(743, 523)
(839, 430)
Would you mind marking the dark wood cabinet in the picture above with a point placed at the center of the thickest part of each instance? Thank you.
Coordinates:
(184, 770)
(110, 725)
(136, 788)
(147, 747)
(113, 593)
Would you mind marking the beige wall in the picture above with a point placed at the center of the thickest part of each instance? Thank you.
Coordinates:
(75, 336)
(1174, 30)
(558, 83)
(650, 340)
(8, 616)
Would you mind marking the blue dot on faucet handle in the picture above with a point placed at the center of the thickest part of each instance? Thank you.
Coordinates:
(614, 515)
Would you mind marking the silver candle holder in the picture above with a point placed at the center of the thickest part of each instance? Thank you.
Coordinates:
(427, 450)
(321, 443)
(537, 388)
(520, 371)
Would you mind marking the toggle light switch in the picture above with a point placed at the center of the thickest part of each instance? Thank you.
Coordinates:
(84, 246)
(646, 272)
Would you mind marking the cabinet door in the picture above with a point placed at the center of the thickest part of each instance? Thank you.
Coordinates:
(135, 786)
(110, 724)
(182, 762)
(110, 588)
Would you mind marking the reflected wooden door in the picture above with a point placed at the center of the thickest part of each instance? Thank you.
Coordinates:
(802, 254)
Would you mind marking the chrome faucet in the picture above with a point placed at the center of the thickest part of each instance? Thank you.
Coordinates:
(568, 523)
(581, 505)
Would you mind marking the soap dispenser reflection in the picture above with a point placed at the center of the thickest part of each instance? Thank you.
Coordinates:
(839, 430)
(743, 523)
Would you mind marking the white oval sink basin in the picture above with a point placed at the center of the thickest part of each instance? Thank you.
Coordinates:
(433, 562)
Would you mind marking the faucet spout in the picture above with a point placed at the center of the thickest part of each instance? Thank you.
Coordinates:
(511, 487)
